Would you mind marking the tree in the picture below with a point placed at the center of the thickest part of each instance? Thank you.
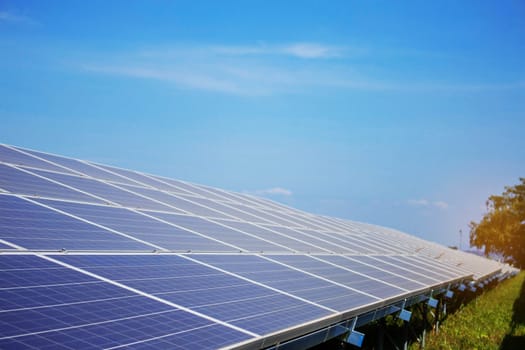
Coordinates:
(502, 230)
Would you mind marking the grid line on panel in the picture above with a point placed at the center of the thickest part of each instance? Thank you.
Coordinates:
(127, 345)
(218, 196)
(327, 245)
(340, 275)
(106, 169)
(260, 230)
(163, 206)
(13, 177)
(320, 277)
(149, 296)
(94, 224)
(358, 273)
(142, 226)
(257, 283)
(253, 235)
(401, 260)
(442, 268)
(19, 152)
(77, 166)
(380, 258)
(384, 270)
(197, 206)
(192, 223)
(187, 229)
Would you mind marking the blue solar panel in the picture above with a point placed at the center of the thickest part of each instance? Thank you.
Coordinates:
(272, 219)
(146, 181)
(5, 246)
(203, 289)
(375, 272)
(140, 226)
(224, 234)
(377, 261)
(19, 182)
(315, 239)
(180, 203)
(336, 239)
(441, 269)
(62, 308)
(191, 190)
(248, 269)
(295, 244)
(8, 155)
(82, 167)
(103, 190)
(278, 276)
(226, 208)
(35, 227)
(370, 286)
(402, 262)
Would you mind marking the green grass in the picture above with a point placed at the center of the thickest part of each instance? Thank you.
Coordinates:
(494, 320)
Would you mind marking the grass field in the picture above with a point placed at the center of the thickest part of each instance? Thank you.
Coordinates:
(494, 320)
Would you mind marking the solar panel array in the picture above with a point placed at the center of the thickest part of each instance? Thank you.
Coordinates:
(94, 256)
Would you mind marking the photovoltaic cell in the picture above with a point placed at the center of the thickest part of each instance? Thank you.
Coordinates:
(105, 191)
(319, 241)
(377, 261)
(221, 233)
(5, 246)
(35, 227)
(275, 220)
(11, 156)
(19, 182)
(292, 281)
(192, 190)
(81, 167)
(232, 212)
(55, 307)
(374, 272)
(140, 226)
(272, 236)
(140, 178)
(294, 268)
(402, 262)
(202, 289)
(361, 283)
(180, 204)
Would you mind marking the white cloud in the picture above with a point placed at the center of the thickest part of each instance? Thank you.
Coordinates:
(312, 50)
(418, 202)
(276, 191)
(300, 50)
(259, 70)
(429, 204)
(11, 17)
(440, 204)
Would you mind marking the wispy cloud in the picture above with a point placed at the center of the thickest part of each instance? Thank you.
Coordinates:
(14, 18)
(309, 50)
(274, 191)
(429, 204)
(243, 70)
(262, 69)
(302, 50)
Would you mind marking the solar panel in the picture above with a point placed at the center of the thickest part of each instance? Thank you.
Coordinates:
(95, 256)
(47, 305)
(79, 167)
(188, 283)
(140, 226)
(26, 224)
(20, 182)
(18, 157)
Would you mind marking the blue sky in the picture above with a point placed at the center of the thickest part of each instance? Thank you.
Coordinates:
(406, 114)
